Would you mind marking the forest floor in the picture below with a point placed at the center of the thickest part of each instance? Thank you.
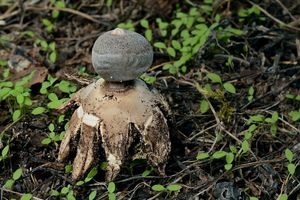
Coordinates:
(233, 89)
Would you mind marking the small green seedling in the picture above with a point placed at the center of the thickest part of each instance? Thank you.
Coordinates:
(55, 102)
(127, 25)
(148, 33)
(16, 94)
(57, 4)
(89, 177)
(52, 136)
(169, 188)
(291, 166)
(250, 93)
(273, 122)
(66, 192)
(16, 176)
(111, 188)
(215, 78)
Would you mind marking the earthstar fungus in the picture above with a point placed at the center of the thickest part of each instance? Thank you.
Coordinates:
(118, 109)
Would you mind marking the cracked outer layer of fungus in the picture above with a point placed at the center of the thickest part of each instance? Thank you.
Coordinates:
(118, 109)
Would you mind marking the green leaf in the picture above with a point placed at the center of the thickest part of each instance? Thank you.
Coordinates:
(283, 197)
(202, 156)
(64, 190)
(92, 195)
(248, 135)
(52, 46)
(112, 196)
(44, 45)
(61, 118)
(229, 157)
(16, 115)
(171, 52)
(103, 165)
(52, 97)
(251, 91)
(252, 128)
(148, 35)
(5, 151)
(71, 196)
(4, 92)
(55, 13)
(91, 175)
(20, 99)
(219, 154)
(38, 110)
(160, 45)
(245, 146)
(158, 188)
(46, 141)
(51, 127)
(55, 104)
(174, 187)
(233, 149)
(253, 198)
(289, 155)
(146, 173)
(53, 56)
(291, 168)
(214, 77)
(111, 187)
(68, 168)
(144, 23)
(273, 129)
(17, 174)
(109, 3)
(46, 22)
(167, 66)
(228, 166)
(256, 118)
(52, 136)
(60, 4)
(295, 115)
(229, 87)
(176, 44)
(80, 183)
(54, 193)
(26, 196)
(204, 106)
(9, 183)
(27, 101)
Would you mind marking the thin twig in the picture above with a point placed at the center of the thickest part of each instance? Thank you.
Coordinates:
(18, 193)
(273, 18)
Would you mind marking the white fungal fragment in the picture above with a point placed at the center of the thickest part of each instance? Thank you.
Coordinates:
(90, 120)
(118, 31)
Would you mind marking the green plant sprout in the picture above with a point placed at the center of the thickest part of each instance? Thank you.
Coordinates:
(66, 192)
(168, 188)
(57, 4)
(49, 48)
(127, 25)
(17, 95)
(53, 137)
(148, 33)
(250, 93)
(111, 189)
(16, 176)
(248, 13)
(89, 177)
